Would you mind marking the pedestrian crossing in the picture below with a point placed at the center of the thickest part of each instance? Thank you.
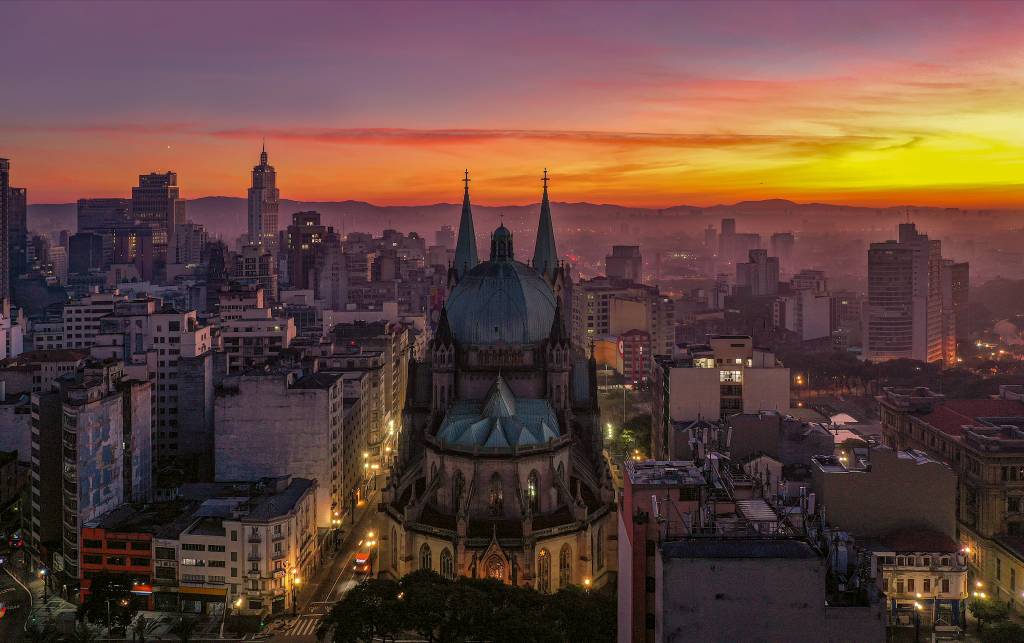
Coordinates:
(304, 626)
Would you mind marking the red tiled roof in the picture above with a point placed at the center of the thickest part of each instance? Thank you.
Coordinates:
(920, 540)
(951, 416)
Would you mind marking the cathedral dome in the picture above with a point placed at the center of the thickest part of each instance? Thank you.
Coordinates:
(501, 301)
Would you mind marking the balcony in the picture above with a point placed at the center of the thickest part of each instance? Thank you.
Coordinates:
(254, 557)
(255, 538)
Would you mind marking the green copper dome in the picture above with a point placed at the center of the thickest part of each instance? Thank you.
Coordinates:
(501, 301)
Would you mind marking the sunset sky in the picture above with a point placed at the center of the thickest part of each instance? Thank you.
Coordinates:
(637, 104)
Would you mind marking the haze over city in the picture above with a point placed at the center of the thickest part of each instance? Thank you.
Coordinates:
(512, 322)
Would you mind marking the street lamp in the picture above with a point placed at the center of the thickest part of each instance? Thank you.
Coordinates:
(296, 582)
(917, 621)
(42, 575)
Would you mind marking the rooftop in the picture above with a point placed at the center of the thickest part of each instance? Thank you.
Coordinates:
(664, 473)
(739, 548)
(919, 540)
(45, 356)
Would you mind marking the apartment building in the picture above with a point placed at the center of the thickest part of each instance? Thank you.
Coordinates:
(283, 421)
(255, 338)
(713, 381)
(612, 306)
(982, 440)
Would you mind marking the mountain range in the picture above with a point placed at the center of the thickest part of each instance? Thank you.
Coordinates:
(226, 216)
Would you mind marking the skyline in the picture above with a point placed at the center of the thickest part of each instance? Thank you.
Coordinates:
(871, 104)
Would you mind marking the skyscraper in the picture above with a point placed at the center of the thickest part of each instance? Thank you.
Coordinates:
(905, 313)
(761, 273)
(305, 248)
(155, 203)
(17, 231)
(5, 184)
(264, 199)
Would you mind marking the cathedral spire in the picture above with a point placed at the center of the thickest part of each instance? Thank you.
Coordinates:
(466, 256)
(545, 257)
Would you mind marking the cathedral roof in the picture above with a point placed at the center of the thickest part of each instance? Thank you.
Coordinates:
(501, 301)
(500, 421)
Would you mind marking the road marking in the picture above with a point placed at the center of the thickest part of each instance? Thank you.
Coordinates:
(304, 626)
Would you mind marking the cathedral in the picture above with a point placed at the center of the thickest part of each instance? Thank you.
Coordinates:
(500, 472)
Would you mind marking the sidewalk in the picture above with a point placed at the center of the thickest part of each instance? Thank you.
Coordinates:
(310, 589)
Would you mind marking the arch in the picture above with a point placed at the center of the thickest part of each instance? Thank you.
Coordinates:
(496, 500)
(426, 561)
(495, 568)
(458, 486)
(394, 549)
(561, 471)
(564, 561)
(599, 549)
(544, 572)
(447, 564)
(533, 491)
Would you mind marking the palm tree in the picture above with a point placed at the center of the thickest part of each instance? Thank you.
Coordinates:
(184, 629)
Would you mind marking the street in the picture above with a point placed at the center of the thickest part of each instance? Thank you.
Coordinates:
(14, 604)
(332, 581)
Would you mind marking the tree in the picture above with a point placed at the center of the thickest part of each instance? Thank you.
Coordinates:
(585, 616)
(369, 609)
(987, 611)
(1005, 632)
(109, 594)
(424, 595)
(185, 628)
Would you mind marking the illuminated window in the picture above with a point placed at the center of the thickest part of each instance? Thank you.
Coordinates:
(730, 376)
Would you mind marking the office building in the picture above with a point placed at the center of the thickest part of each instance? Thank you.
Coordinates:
(960, 276)
(905, 315)
(255, 265)
(304, 238)
(85, 253)
(608, 306)
(264, 200)
(279, 422)
(249, 544)
(982, 440)
(636, 356)
(17, 232)
(5, 232)
(760, 275)
(82, 318)
(189, 244)
(712, 381)
(445, 237)
(255, 338)
(174, 351)
(625, 262)
(156, 201)
(783, 245)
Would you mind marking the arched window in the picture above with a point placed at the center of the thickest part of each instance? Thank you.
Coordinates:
(495, 568)
(561, 471)
(425, 561)
(599, 548)
(564, 559)
(496, 498)
(394, 549)
(533, 491)
(544, 571)
(458, 484)
(447, 564)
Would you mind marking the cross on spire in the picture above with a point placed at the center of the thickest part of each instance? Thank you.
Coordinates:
(545, 179)
(466, 180)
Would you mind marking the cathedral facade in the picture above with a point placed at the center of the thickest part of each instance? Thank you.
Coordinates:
(500, 472)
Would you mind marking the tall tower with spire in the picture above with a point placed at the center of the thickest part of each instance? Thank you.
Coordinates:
(545, 256)
(264, 200)
(466, 257)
